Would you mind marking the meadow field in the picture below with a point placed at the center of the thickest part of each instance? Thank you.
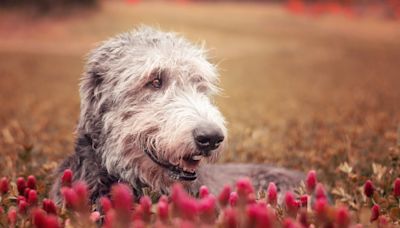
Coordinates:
(299, 91)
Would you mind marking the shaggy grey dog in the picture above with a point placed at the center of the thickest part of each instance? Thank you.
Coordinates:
(147, 120)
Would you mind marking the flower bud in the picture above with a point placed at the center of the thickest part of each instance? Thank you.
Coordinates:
(163, 198)
(396, 188)
(369, 188)
(320, 192)
(223, 197)
(203, 191)
(12, 216)
(32, 197)
(22, 207)
(66, 179)
(26, 192)
(31, 182)
(188, 208)
(145, 203)
(39, 218)
(21, 185)
(375, 212)
(105, 204)
(110, 220)
(291, 204)
(20, 198)
(162, 210)
(304, 200)
(49, 206)
(233, 198)
(81, 191)
(342, 217)
(383, 221)
(70, 197)
(207, 208)
(4, 185)
(52, 222)
(122, 198)
(303, 218)
(321, 208)
(311, 181)
(94, 216)
(272, 194)
(290, 223)
(244, 187)
(230, 218)
(258, 215)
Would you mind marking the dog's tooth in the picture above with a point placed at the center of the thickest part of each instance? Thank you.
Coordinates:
(197, 157)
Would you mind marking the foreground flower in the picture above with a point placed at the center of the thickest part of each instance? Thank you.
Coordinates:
(320, 208)
(272, 194)
(183, 204)
(223, 197)
(41, 220)
(49, 206)
(122, 198)
(163, 211)
(291, 204)
(22, 207)
(258, 215)
(304, 200)
(207, 209)
(233, 198)
(303, 218)
(290, 223)
(95, 216)
(31, 182)
(203, 191)
(105, 204)
(21, 185)
(311, 181)
(320, 192)
(244, 187)
(70, 197)
(230, 218)
(342, 217)
(12, 216)
(145, 203)
(4, 186)
(32, 197)
(66, 179)
(375, 212)
(369, 189)
(396, 188)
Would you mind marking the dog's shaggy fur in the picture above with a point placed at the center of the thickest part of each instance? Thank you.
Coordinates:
(144, 95)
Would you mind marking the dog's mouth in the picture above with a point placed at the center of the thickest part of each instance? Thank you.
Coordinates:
(185, 170)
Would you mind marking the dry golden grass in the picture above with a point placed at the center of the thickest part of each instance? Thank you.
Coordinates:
(299, 92)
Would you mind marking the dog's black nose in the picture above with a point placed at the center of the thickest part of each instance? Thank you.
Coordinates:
(208, 137)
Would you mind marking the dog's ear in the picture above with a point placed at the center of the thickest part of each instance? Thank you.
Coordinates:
(91, 88)
(93, 102)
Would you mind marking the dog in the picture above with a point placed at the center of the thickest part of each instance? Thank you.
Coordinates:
(147, 119)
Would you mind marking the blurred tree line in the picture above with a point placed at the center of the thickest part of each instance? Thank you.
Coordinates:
(47, 5)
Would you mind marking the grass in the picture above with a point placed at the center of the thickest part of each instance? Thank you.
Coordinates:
(299, 92)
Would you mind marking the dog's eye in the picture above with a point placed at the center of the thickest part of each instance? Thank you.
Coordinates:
(156, 83)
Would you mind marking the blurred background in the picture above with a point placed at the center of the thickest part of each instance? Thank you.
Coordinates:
(306, 84)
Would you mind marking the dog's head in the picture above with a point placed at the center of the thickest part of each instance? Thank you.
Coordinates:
(146, 104)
